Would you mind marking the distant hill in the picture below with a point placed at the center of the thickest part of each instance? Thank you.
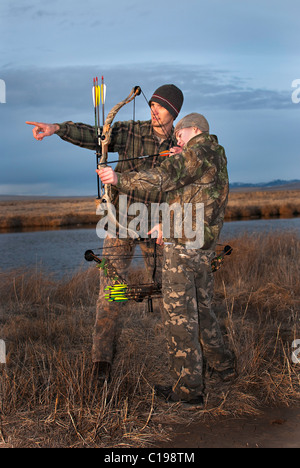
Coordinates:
(234, 187)
(273, 185)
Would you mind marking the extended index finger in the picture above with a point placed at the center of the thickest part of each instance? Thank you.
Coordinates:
(32, 123)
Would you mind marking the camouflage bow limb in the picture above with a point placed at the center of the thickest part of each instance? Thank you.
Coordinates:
(106, 134)
(109, 270)
(218, 260)
(105, 140)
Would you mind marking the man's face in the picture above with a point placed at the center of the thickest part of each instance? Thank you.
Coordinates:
(160, 116)
(185, 134)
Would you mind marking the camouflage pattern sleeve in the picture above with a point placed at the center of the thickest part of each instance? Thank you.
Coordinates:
(196, 175)
(193, 163)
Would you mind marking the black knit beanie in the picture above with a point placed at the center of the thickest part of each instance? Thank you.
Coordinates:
(170, 97)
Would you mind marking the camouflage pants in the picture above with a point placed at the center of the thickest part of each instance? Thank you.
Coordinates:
(107, 312)
(191, 326)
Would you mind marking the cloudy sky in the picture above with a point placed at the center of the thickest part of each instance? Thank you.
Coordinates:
(235, 62)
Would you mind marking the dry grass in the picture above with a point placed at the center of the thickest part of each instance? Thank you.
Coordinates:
(48, 397)
(48, 212)
(269, 204)
(51, 213)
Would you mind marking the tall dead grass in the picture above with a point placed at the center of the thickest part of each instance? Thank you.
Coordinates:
(48, 212)
(49, 398)
(263, 204)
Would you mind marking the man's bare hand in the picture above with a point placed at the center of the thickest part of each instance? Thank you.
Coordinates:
(107, 175)
(159, 238)
(42, 130)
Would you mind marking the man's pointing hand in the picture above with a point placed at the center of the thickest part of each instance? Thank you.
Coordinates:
(42, 130)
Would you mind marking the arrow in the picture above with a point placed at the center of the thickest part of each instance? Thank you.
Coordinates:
(103, 97)
(162, 154)
(96, 102)
(117, 293)
(96, 93)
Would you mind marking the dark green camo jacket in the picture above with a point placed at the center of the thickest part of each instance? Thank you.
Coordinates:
(196, 175)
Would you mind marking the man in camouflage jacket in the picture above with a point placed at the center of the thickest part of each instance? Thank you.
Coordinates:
(195, 174)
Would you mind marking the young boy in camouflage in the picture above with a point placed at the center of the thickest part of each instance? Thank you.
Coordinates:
(195, 173)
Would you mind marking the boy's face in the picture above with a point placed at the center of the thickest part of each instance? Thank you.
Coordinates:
(185, 134)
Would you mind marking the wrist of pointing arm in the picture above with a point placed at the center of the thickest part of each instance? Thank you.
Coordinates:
(60, 128)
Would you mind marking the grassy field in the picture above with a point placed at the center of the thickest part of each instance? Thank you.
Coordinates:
(268, 204)
(48, 397)
(46, 212)
(57, 212)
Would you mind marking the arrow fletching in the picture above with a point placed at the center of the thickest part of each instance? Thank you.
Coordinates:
(117, 293)
(103, 93)
(96, 95)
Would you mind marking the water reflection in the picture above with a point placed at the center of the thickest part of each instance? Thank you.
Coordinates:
(237, 228)
(62, 251)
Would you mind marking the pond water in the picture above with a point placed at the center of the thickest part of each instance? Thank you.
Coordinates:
(61, 252)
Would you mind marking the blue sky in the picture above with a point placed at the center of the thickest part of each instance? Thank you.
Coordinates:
(234, 61)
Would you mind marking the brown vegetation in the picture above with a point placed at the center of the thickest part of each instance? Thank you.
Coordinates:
(58, 212)
(277, 204)
(48, 397)
(46, 212)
